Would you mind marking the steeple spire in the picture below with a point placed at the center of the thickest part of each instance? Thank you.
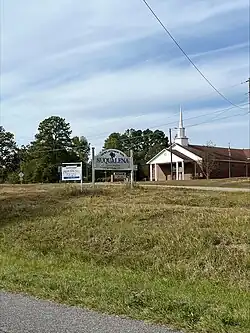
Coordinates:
(181, 138)
(181, 120)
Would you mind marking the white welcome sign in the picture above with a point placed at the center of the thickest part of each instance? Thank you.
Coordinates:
(71, 172)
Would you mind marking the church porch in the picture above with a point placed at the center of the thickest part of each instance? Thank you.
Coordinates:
(182, 170)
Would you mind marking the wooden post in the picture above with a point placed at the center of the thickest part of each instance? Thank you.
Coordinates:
(93, 166)
(171, 153)
(132, 169)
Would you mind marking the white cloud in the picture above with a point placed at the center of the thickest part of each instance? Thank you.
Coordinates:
(153, 83)
(85, 61)
(46, 27)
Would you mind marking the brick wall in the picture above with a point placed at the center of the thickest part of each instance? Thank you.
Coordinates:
(237, 170)
(189, 171)
(221, 171)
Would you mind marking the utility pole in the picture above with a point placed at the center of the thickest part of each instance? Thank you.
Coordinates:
(132, 169)
(229, 161)
(93, 166)
(87, 171)
(248, 164)
(248, 112)
(171, 153)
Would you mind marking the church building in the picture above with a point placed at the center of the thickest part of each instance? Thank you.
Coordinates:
(183, 161)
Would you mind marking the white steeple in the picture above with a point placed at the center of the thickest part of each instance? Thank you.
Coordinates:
(181, 120)
(181, 138)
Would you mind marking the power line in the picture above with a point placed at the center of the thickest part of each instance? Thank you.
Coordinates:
(248, 81)
(204, 122)
(174, 122)
(212, 120)
(186, 55)
(223, 111)
(201, 97)
(197, 98)
(160, 125)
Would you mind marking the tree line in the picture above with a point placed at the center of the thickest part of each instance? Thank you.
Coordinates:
(40, 160)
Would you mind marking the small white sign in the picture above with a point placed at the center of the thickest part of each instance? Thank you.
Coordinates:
(21, 174)
(120, 175)
(71, 172)
(112, 159)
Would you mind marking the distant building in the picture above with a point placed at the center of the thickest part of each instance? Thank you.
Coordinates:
(195, 161)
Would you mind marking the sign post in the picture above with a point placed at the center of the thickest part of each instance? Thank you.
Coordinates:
(21, 174)
(72, 172)
(132, 169)
(93, 166)
(81, 177)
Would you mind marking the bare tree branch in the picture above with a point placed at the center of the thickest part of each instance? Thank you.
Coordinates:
(208, 163)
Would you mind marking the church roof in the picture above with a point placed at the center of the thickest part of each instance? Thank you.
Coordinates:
(182, 156)
(220, 153)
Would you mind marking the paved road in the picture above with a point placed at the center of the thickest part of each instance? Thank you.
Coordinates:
(204, 188)
(21, 314)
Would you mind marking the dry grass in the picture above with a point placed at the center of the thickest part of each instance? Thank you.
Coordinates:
(178, 257)
(226, 182)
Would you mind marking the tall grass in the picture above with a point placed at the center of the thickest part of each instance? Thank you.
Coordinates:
(178, 257)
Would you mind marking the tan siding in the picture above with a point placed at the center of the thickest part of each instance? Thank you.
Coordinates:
(163, 171)
(189, 171)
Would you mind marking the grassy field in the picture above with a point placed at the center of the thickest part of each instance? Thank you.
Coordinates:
(226, 182)
(176, 257)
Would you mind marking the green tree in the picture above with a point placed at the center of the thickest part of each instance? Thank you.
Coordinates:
(9, 161)
(81, 148)
(144, 143)
(52, 146)
(53, 133)
(114, 141)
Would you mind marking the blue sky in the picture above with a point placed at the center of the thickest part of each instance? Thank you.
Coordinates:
(108, 65)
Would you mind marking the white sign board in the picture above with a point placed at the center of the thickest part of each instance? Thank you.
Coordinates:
(120, 175)
(21, 174)
(112, 159)
(71, 172)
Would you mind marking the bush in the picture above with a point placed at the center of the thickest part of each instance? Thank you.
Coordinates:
(13, 178)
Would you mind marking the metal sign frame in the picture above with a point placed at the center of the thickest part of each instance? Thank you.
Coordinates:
(112, 159)
(128, 166)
